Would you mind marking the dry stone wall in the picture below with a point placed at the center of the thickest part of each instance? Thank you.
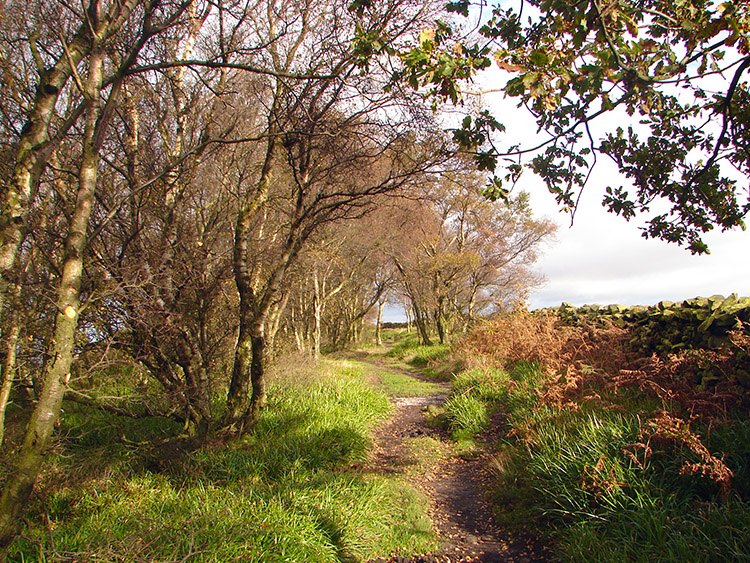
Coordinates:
(703, 322)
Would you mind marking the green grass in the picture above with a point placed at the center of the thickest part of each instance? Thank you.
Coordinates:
(284, 494)
(467, 415)
(475, 395)
(396, 384)
(408, 347)
(389, 335)
(433, 360)
(426, 355)
(569, 469)
(402, 343)
(678, 531)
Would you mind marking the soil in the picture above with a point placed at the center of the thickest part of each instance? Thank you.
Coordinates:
(457, 487)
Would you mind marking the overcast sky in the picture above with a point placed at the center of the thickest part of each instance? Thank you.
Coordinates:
(603, 259)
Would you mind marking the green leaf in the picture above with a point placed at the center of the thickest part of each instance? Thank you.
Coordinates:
(485, 161)
(459, 7)
(360, 6)
(495, 191)
(538, 58)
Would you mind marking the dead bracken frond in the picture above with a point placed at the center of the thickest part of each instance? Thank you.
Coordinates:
(601, 478)
(669, 428)
(592, 363)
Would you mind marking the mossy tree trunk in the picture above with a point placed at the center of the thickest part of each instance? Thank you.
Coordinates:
(247, 390)
(32, 153)
(99, 25)
(239, 386)
(317, 310)
(10, 344)
(19, 483)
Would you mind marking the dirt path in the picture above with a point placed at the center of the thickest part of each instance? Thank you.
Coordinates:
(456, 487)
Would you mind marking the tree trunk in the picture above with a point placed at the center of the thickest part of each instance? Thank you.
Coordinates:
(251, 345)
(9, 367)
(257, 377)
(440, 328)
(439, 319)
(419, 321)
(198, 418)
(275, 322)
(239, 386)
(300, 339)
(379, 324)
(13, 330)
(317, 307)
(32, 153)
(470, 311)
(19, 483)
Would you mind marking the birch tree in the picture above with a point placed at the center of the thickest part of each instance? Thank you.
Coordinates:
(98, 25)
(332, 147)
(467, 256)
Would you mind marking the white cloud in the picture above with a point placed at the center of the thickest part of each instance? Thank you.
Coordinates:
(603, 259)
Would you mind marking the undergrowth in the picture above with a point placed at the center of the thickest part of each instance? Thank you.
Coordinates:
(284, 494)
(624, 457)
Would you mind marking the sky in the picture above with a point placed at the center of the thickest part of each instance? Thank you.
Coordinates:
(603, 259)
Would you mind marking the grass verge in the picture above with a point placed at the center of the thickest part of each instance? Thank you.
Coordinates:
(285, 494)
(476, 395)
(617, 480)
(397, 384)
(408, 348)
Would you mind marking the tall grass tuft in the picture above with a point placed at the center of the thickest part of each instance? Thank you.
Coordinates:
(475, 396)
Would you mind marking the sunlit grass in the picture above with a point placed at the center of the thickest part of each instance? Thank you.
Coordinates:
(425, 355)
(396, 384)
(284, 494)
(408, 348)
(475, 396)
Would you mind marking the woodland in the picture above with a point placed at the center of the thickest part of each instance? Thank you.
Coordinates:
(207, 205)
